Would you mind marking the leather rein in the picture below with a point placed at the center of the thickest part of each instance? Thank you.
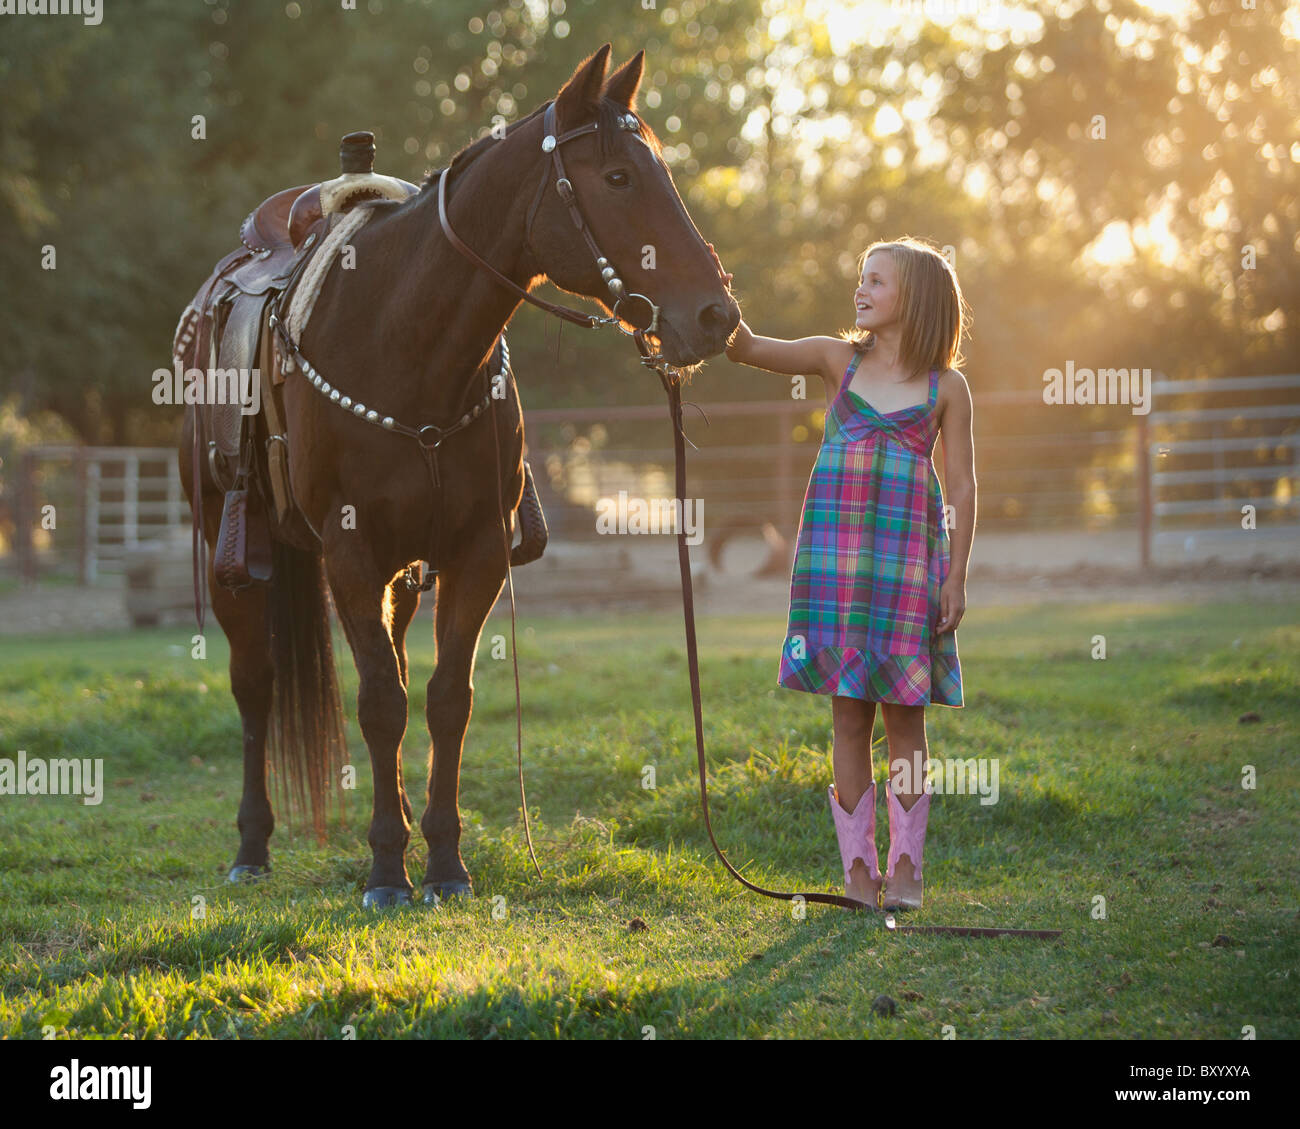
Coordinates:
(671, 378)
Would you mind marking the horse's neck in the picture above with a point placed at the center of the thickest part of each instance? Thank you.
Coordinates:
(440, 315)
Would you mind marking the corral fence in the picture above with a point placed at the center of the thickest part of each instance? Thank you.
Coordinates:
(78, 511)
(1223, 466)
(1183, 471)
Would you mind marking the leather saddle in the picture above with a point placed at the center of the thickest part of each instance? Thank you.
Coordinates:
(226, 328)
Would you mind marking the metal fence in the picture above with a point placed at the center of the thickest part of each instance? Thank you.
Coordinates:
(751, 462)
(1224, 467)
(1179, 472)
(79, 510)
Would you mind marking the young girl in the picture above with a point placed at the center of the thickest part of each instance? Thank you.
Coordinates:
(874, 597)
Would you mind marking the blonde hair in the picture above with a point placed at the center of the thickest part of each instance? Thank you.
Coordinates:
(933, 313)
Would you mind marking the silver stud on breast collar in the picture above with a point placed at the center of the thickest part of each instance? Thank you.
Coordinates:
(388, 423)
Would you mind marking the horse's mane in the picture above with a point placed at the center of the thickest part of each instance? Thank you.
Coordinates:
(607, 114)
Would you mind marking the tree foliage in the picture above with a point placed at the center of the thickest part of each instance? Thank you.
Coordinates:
(795, 140)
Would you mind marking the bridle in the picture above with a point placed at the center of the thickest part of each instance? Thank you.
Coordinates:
(551, 144)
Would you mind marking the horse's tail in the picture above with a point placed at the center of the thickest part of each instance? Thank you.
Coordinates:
(306, 737)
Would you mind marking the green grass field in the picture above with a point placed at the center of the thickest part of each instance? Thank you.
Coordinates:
(1120, 779)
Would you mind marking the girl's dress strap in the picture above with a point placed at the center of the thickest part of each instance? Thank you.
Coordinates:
(848, 372)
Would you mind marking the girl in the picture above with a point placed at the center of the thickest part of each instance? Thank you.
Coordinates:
(875, 599)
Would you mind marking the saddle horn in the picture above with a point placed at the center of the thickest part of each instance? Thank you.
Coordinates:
(357, 181)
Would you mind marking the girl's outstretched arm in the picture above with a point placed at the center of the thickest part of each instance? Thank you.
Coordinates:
(806, 355)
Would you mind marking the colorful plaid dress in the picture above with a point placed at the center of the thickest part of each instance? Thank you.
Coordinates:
(871, 556)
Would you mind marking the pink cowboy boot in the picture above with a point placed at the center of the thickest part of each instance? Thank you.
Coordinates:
(906, 837)
(857, 837)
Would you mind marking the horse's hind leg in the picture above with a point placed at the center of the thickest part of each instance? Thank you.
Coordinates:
(243, 618)
(466, 593)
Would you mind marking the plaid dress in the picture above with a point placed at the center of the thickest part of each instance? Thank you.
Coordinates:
(871, 555)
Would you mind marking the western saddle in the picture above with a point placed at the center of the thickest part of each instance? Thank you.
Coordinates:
(226, 327)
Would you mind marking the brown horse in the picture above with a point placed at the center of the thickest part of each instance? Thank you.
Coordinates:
(411, 331)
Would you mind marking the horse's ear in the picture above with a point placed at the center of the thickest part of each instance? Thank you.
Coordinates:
(624, 82)
(577, 100)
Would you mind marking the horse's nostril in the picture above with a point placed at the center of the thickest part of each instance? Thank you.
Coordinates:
(713, 317)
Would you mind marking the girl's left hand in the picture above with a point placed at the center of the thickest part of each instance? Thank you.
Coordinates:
(952, 604)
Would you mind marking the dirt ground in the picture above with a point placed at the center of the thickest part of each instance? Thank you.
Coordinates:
(653, 584)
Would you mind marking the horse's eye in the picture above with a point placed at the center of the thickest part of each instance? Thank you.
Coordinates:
(617, 179)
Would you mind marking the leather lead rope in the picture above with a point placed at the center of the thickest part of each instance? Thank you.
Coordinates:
(514, 653)
(652, 359)
(672, 386)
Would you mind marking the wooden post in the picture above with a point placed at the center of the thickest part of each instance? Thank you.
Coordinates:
(1144, 491)
(91, 567)
(25, 517)
(174, 516)
(79, 462)
(131, 502)
(1220, 469)
(784, 472)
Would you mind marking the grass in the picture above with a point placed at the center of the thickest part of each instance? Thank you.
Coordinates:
(1119, 779)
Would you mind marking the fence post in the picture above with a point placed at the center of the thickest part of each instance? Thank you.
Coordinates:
(24, 516)
(173, 494)
(79, 462)
(1144, 490)
(92, 518)
(131, 502)
(784, 463)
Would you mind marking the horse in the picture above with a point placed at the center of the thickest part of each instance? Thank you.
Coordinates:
(409, 335)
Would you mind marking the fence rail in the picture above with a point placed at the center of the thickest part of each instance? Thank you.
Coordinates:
(1157, 473)
(1173, 434)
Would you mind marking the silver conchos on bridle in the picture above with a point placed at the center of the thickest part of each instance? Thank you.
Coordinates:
(617, 288)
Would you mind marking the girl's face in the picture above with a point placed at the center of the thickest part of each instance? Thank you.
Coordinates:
(876, 298)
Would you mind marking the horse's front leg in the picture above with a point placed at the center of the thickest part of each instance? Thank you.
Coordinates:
(358, 585)
(466, 592)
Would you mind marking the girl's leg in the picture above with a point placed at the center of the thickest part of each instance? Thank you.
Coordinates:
(852, 721)
(909, 757)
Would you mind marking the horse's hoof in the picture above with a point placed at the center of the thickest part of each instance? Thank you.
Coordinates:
(246, 872)
(435, 893)
(382, 896)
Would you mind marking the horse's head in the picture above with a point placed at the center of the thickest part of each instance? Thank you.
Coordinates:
(626, 195)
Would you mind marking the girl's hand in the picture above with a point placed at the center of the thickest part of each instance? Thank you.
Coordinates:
(952, 604)
(741, 338)
(726, 278)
